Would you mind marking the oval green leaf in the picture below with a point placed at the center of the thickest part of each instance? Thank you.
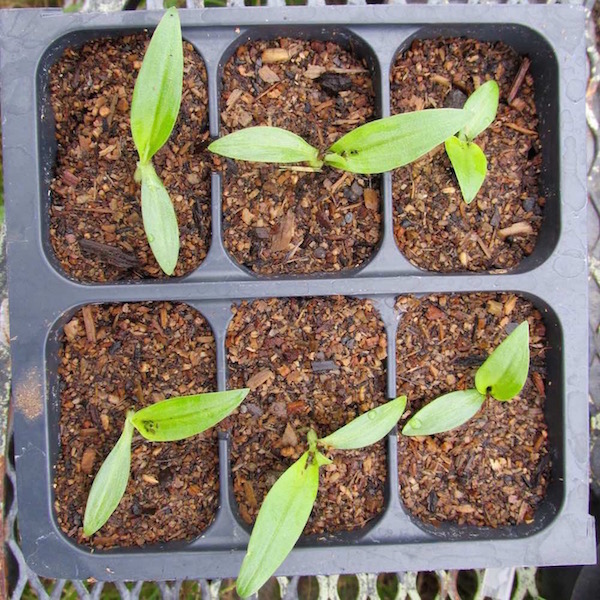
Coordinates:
(110, 483)
(368, 428)
(482, 106)
(389, 143)
(280, 522)
(157, 92)
(265, 144)
(505, 371)
(469, 164)
(444, 413)
(185, 416)
(160, 220)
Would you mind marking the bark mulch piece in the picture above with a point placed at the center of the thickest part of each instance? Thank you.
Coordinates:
(126, 356)
(311, 363)
(493, 470)
(285, 221)
(96, 225)
(434, 227)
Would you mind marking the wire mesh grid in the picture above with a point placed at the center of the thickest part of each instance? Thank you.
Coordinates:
(498, 584)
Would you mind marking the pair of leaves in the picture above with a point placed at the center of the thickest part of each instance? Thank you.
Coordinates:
(502, 375)
(167, 421)
(287, 507)
(154, 110)
(467, 158)
(375, 147)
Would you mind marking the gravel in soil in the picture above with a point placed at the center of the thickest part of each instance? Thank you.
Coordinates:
(96, 225)
(434, 228)
(126, 356)
(493, 470)
(287, 221)
(311, 363)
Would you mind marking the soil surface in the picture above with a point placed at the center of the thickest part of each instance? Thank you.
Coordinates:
(127, 356)
(284, 221)
(494, 469)
(312, 363)
(96, 225)
(434, 228)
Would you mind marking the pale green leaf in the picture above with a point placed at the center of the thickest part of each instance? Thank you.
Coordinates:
(389, 143)
(470, 165)
(444, 413)
(279, 524)
(265, 144)
(160, 221)
(504, 372)
(157, 91)
(482, 106)
(321, 459)
(368, 428)
(185, 416)
(110, 483)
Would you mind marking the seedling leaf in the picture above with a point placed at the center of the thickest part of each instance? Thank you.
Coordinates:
(265, 144)
(110, 483)
(157, 92)
(160, 221)
(279, 524)
(180, 418)
(368, 428)
(470, 165)
(504, 372)
(482, 106)
(391, 142)
(444, 413)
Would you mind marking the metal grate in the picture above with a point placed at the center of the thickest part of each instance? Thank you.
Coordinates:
(498, 584)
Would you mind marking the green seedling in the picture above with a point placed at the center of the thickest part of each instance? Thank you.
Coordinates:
(502, 376)
(287, 507)
(467, 158)
(167, 421)
(375, 147)
(154, 110)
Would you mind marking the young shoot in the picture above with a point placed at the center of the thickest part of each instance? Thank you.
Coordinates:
(154, 110)
(287, 507)
(467, 158)
(167, 421)
(375, 147)
(502, 376)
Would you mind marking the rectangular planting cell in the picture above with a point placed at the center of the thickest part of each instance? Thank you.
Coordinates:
(291, 282)
(492, 473)
(120, 357)
(95, 222)
(283, 221)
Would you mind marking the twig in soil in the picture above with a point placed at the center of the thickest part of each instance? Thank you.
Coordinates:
(522, 129)
(514, 90)
(109, 254)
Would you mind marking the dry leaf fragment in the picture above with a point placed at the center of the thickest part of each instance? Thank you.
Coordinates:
(283, 238)
(314, 71)
(88, 460)
(371, 199)
(289, 437)
(259, 379)
(71, 329)
(149, 479)
(234, 97)
(275, 55)
(521, 228)
(268, 75)
(247, 216)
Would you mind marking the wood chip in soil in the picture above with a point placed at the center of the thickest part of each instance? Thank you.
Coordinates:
(141, 354)
(493, 470)
(434, 228)
(96, 226)
(273, 346)
(319, 92)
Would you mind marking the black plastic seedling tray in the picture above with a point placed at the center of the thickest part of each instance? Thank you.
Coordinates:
(554, 278)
